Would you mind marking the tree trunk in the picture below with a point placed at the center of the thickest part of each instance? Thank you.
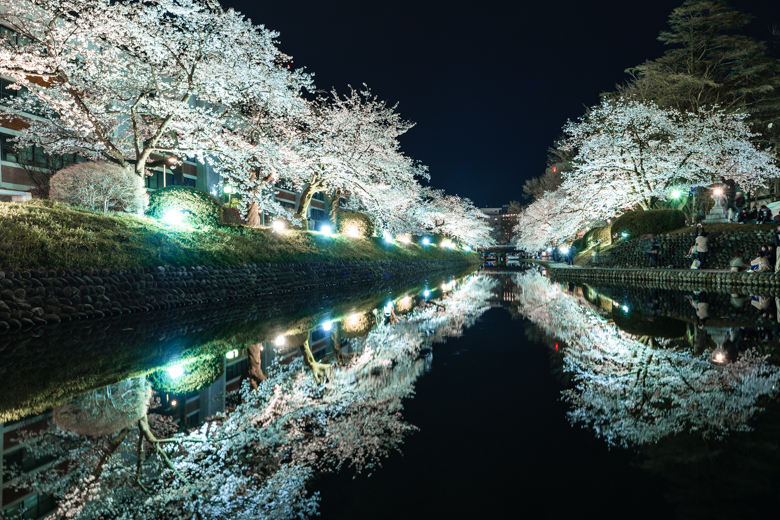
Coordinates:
(335, 209)
(318, 370)
(256, 375)
(253, 215)
(303, 205)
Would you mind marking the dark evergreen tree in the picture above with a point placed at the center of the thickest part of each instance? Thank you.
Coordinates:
(709, 64)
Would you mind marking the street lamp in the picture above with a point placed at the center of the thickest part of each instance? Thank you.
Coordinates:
(229, 190)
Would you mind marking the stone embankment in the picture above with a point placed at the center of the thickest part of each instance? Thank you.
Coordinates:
(36, 298)
(717, 281)
(722, 247)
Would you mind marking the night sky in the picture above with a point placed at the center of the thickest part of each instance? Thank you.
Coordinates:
(489, 83)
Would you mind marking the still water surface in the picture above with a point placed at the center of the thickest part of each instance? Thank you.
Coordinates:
(479, 396)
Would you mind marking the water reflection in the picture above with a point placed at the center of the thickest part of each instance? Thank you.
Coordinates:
(633, 388)
(322, 393)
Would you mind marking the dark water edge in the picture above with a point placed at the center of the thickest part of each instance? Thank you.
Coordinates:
(42, 367)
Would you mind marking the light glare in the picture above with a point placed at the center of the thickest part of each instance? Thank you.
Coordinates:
(173, 217)
(176, 371)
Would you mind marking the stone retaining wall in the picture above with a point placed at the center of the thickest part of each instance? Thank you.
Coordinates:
(752, 283)
(37, 298)
(674, 247)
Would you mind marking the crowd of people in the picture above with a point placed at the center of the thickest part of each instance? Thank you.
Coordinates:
(766, 260)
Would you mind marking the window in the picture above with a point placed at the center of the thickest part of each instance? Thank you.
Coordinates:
(5, 92)
(21, 458)
(189, 182)
(237, 369)
(8, 34)
(35, 506)
(193, 420)
(319, 196)
(317, 214)
(7, 152)
(318, 335)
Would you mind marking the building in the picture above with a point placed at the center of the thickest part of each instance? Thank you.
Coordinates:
(502, 222)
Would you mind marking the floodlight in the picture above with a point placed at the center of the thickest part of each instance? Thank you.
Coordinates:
(176, 371)
(173, 217)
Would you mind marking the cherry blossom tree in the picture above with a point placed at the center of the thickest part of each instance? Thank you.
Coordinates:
(632, 393)
(550, 220)
(351, 148)
(448, 215)
(133, 82)
(631, 153)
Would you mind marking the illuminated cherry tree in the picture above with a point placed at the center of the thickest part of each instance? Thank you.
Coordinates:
(447, 215)
(550, 220)
(631, 393)
(631, 153)
(350, 147)
(133, 82)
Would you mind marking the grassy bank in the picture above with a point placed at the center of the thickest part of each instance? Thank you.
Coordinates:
(52, 235)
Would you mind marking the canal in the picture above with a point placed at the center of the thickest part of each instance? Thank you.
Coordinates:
(467, 396)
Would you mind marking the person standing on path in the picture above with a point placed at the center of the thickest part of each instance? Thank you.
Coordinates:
(655, 250)
(777, 244)
(702, 248)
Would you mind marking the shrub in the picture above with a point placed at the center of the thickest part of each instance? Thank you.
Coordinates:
(599, 235)
(639, 223)
(198, 375)
(40, 192)
(231, 216)
(354, 224)
(99, 186)
(201, 209)
(104, 411)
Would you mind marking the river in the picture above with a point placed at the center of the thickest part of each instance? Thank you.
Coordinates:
(469, 396)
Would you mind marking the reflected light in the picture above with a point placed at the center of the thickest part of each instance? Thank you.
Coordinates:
(467, 248)
(176, 371)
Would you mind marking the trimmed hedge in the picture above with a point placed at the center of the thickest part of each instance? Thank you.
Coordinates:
(639, 223)
(352, 223)
(198, 375)
(201, 208)
(602, 235)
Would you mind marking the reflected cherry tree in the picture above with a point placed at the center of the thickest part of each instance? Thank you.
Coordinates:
(633, 392)
(110, 458)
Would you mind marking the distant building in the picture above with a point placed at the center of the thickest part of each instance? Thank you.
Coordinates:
(502, 222)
